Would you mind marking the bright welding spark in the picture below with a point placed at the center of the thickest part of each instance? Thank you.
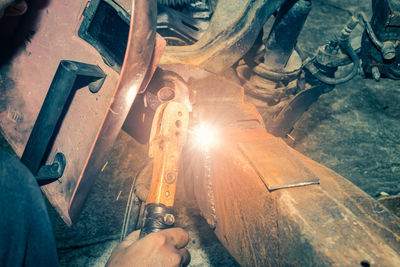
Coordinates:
(205, 136)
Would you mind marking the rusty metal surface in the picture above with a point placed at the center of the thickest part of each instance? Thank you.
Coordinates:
(392, 203)
(93, 120)
(27, 78)
(331, 223)
(322, 225)
(267, 160)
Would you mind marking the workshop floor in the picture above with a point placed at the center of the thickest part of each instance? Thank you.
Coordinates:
(354, 130)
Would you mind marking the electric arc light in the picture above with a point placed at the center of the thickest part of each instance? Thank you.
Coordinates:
(205, 135)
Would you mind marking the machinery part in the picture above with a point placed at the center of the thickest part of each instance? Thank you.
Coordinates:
(322, 68)
(272, 78)
(386, 48)
(157, 217)
(233, 29)
(285, 227)
(326, 57)
(165, 86)
(282, 124)
(168, 135)
(69, 77)
(102, 17)
(380, 52)
(283, 36)
(200, 9)
(288, 104)
(174, 2)
(272, 91)
(179, 29)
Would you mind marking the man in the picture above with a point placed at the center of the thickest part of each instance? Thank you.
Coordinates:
(26, 233)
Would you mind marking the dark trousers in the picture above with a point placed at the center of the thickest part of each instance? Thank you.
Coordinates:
(26, 234)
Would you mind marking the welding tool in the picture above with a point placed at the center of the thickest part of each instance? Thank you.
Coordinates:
(167, 137)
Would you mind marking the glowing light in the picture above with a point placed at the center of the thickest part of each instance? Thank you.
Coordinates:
(205, 136)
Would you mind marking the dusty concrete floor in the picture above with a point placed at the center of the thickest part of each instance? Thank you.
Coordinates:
(354, 130)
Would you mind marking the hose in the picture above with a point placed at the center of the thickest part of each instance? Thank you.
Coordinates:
(367, 26)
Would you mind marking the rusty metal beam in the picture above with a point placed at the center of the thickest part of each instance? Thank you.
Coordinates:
(325, 224)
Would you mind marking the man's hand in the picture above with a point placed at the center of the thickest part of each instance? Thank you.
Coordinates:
(164, 248)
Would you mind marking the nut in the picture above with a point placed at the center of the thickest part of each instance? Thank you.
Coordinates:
(166, 94)
(169, 219)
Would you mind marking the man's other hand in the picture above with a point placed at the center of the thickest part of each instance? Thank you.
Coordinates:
(164, 248)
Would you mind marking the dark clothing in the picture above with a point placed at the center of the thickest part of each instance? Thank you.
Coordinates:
(26, 234)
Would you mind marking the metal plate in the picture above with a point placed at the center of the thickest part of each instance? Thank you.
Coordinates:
(277, 165)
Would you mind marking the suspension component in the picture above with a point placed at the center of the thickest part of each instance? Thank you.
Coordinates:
(380, 52)
(282, 39)
(274, 78)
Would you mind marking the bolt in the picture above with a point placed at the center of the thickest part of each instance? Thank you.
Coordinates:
(170, 177)
(55, 166)
(167, 194)
(169, 219)
(375, 73)
(166, 94)
(388, 50)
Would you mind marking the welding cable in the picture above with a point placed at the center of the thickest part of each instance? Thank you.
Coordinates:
(127, 223)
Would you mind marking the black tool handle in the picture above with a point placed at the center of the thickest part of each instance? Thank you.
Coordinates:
(157, 217)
